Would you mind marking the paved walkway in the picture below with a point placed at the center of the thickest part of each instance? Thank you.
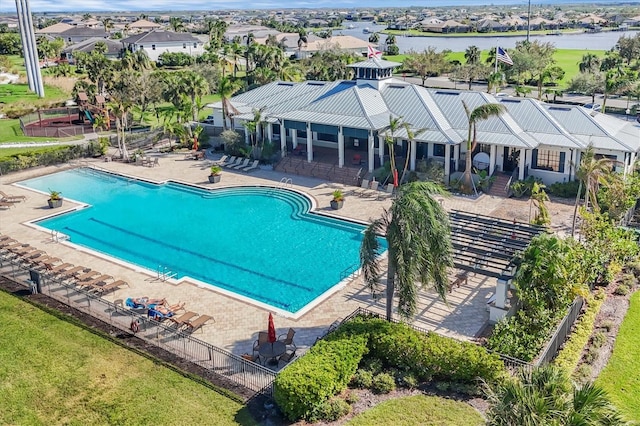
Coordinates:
(238, 322)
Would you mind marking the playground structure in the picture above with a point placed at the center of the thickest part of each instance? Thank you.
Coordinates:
(65, 121)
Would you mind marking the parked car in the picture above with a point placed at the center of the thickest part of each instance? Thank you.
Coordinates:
(208, 120)
(595, 107)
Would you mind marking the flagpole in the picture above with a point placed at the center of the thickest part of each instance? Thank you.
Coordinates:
(496, 67)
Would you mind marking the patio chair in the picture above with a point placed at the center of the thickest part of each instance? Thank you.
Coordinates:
(71, 273)
(155, 162)
(221, 160)
(242, 165)
(102, 289)
(95, 281)
(11, 198)
(387, 193)
(86, 276)
(231, 160)
(253, 166)
(232, 165)
(288, 338)
(191, 326)
(263, 337)
(179, 321)
(364, 185)
(52, 270)
(372, 191)
(287, 357)
(6, 205)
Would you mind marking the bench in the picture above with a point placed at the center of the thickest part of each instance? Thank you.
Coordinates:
(460, 277)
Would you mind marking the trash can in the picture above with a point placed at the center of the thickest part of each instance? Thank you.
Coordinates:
(35, 278)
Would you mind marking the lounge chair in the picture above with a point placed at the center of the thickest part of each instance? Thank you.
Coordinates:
(86, 276)
(221, 161)
(242, 165)
(252, 166)
(109, 287)
(6, 204)
(230, 161)
(288, 338)
(191, 326)
(52, 270)
(387, 193)
(71, 273)
(11, 198)
(182, 319)
(372, 191)
(364, 185)
(232, 165)
(95, 281)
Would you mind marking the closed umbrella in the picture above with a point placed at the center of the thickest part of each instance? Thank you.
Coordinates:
(195, 143)
(272, 329)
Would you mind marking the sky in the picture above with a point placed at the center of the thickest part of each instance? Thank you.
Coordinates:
(8, 6)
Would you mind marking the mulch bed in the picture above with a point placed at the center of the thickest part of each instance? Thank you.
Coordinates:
(256, 403)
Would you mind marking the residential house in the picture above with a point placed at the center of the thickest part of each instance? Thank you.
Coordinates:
(114, 48)
(53, 30)
(157, 42)
(80, 34)
(142, 25)
(343, 43)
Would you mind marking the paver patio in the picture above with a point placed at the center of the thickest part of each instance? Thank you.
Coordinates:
(238, 322)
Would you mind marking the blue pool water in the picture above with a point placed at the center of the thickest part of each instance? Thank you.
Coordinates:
(261, 243)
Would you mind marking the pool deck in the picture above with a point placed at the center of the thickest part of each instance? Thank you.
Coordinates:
(238, 322)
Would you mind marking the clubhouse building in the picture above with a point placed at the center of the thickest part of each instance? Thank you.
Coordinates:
(531, 138)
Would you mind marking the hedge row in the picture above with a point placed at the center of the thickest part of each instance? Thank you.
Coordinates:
(571, 352)
(40, 157)
(301, 389)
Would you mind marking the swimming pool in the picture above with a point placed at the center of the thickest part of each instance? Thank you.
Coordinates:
(257, 242)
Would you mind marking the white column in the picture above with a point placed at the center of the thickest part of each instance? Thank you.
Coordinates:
(309, 143)
(370, 151)
(246, 136)
(294, 138)
(521, 164)
(283, 140)
(492, 158)
(340, 147)
(270, 132)
(412, 165)
(381, 143)
(502, 289)
(456, 155)
(447, 161)
(567, 166)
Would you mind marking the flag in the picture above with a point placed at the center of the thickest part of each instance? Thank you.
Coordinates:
(503, 56)
(373, 52)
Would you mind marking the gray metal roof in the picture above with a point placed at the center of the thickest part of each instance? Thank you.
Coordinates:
(527, 123)
(375, 63)
(160, 36)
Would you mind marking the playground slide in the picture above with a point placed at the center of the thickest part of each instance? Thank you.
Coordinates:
(89, 116)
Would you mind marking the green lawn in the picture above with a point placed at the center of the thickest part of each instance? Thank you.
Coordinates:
(621, 377)
(12, 93)
(55, 372)
(419, 410)
(418, 33)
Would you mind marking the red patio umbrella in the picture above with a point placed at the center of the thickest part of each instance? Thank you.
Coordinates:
(195, 143)
(272, 329)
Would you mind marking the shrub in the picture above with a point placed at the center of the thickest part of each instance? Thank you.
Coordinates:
(520, 336)
(362, 379)
(598, 339)
(565, 189)
(331, 410)
(569, 355)
(407, 380)
(582, 373)
(608, 325)
(351, 398)
(323, 372)
(628, 279)
(591, 355)
(383, 383)
(520, 188)
(41, 157)
(374, 365)
(622, 290)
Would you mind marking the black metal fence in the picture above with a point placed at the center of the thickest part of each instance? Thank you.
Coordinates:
(245, 373)
(560, 335)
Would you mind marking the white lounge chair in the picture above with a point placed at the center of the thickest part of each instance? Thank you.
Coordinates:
(364, 185)
(244, 164)
(372, 191)
(221, 161)
(387, 193)
(232, 165)
(231, 160)
(252, 166)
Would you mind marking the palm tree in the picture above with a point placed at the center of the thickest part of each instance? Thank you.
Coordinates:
(194, 86)
(483, 112)
(417, 231)
(226, 89)
(374, 38)
(545, 396)
(495, 80)
(589, 63)
(176, 24)
(591, 174)
(394, 125)
(411, 135)
(472, 55)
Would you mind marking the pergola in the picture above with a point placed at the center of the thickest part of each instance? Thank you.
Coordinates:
(487, 245)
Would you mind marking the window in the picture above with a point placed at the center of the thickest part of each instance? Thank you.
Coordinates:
(141, 47)
(483, 147)
(184, 45)
(545, 159)
(195, 45)
(438, 150)
(153, 47)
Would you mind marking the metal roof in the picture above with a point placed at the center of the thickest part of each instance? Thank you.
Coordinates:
(375, 63)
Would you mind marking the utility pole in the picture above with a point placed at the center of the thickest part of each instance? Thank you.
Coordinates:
(528, 21)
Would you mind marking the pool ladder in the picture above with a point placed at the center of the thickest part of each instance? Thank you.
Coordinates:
(286, 182)
(164, 273)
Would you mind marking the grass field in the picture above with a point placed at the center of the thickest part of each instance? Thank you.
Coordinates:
(13, 93)
(54, 372)
(621, 378)
(419, 410)
(567, 59)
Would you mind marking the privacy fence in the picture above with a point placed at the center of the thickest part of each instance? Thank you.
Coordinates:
(233, 367)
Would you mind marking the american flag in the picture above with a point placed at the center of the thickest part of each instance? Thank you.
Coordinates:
(373, 52)
(503, 56)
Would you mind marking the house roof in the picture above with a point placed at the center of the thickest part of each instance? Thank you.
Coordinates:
(160, 36)
(113, 47)
(341, 42)
(84, 32)
(143, 24)
(55, 28)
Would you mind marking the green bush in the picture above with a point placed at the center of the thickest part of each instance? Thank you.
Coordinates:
(598, 339)
(351, 397)
(591, 355)
(362, 379)
(521, 336)
(39, 157)
(331, 410)
(582, 374)
(383, 383)
(569, 355)
(407, 380)
(565, 189)
(622, 290)
(324, 371)
(520, 188)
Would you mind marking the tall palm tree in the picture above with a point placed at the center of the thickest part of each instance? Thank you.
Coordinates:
(483, 112)
(176, 24)
(226, 88)
(417, 231)
(411, 135)
(590, 63)
(591, 173)
(545, 396)
(194, 86)
(395, 123)
(472, 55)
